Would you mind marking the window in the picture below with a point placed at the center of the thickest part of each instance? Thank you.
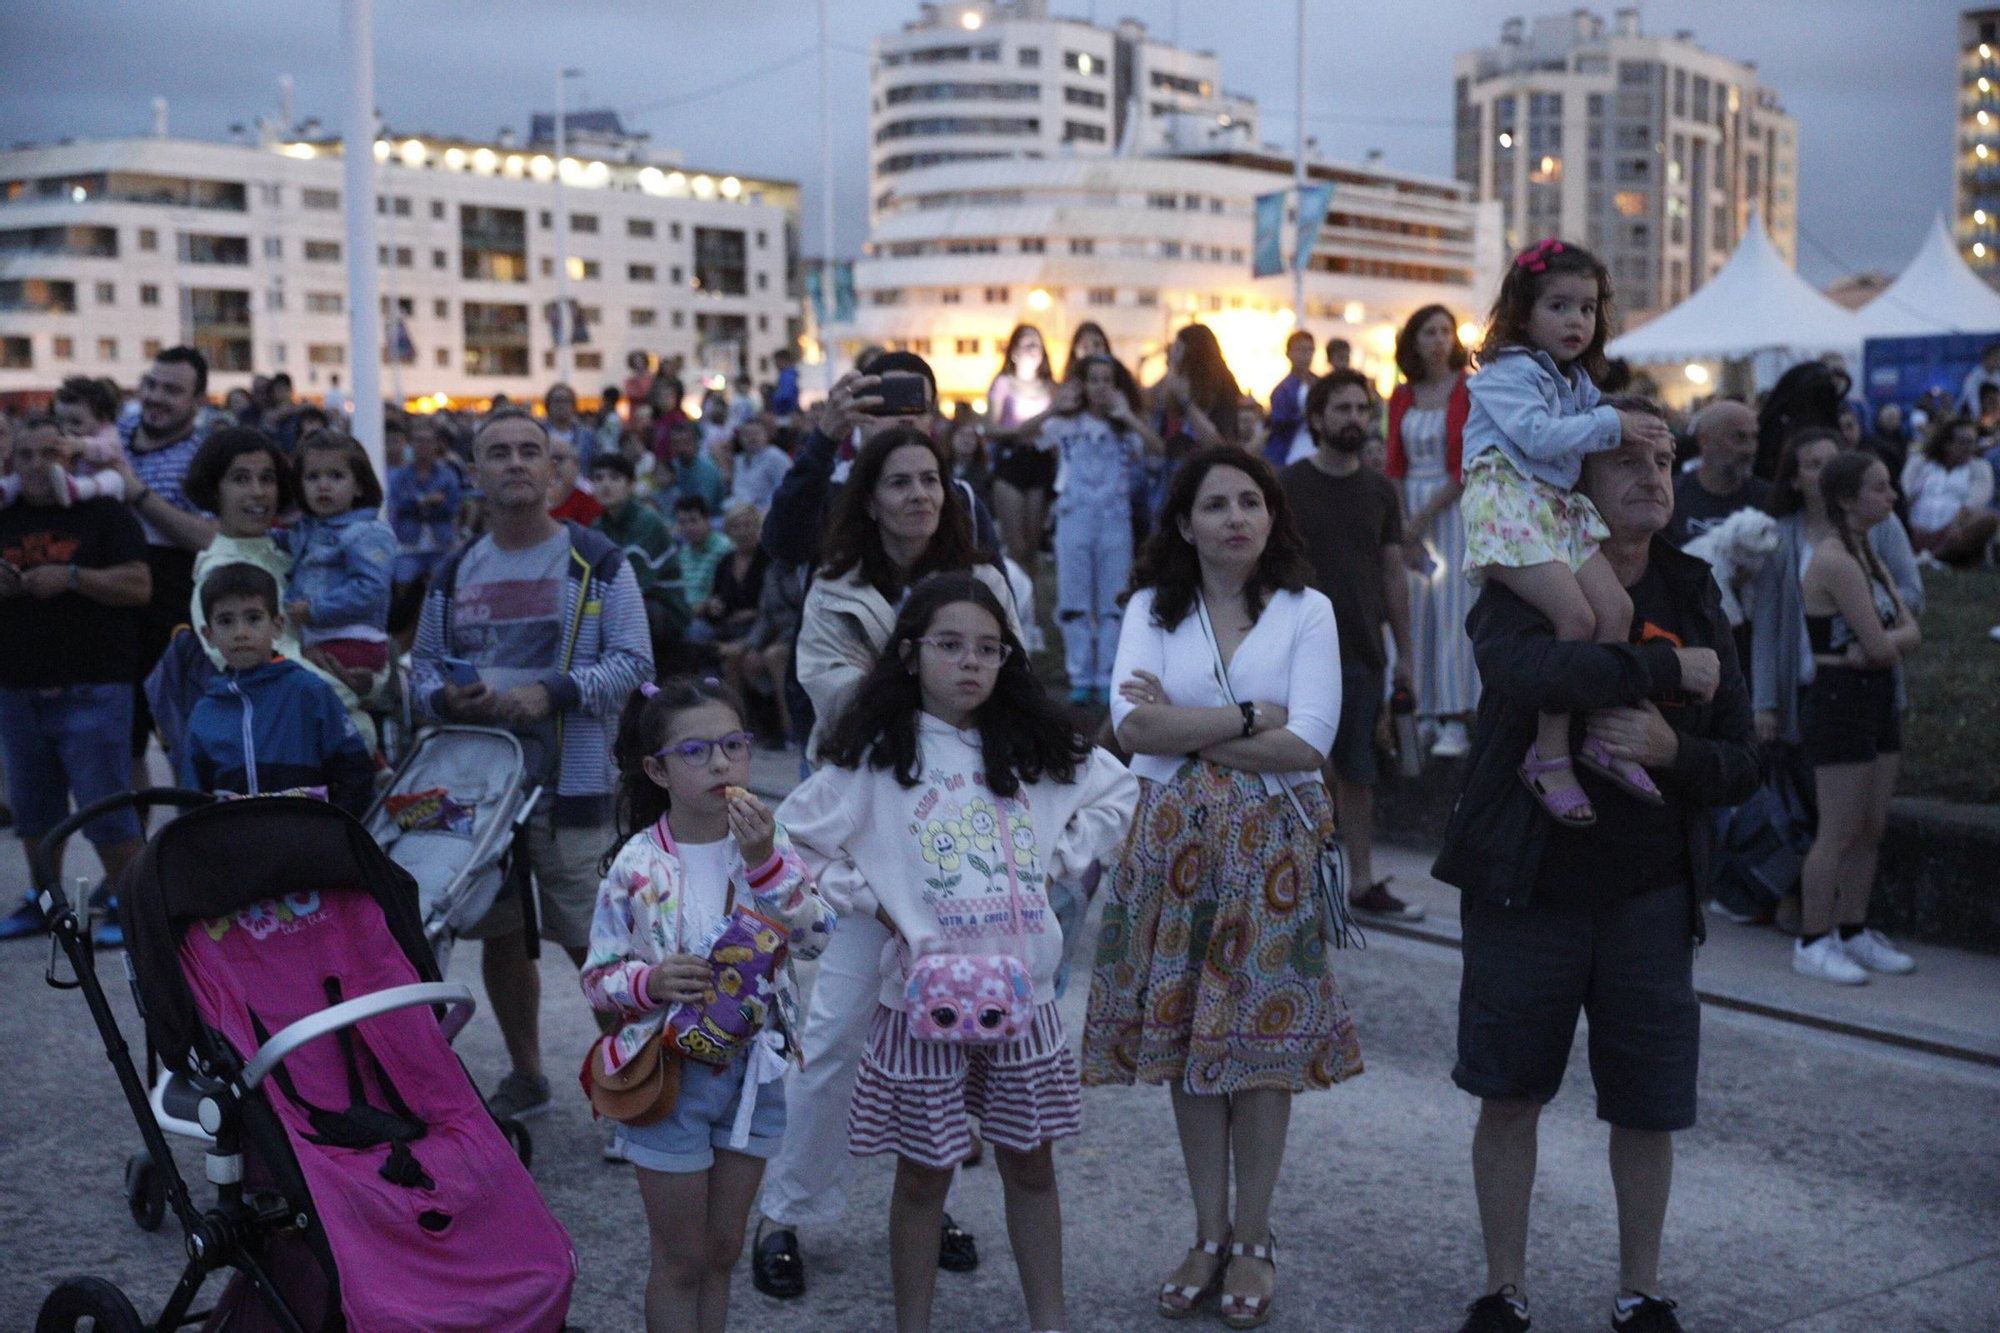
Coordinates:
(1103, 296)
(674, 275)
(763, 240)
(763, 323)
(1145, 298)
(967, 346)
(496, 338)
(148, 239)
(996, 296)
(1033, 245)
(63, 348)
(493, 244)
(1082, 62)
(437, 210)
(548, 266)
(1083, 97)
(886, 296)
(274, 299)
(324, 200)
(1077, 131)
(1170, 249)
(673, 231)
(440, 308)
(763, 281)
(640, 228)
(440, 259)
(642, 318)
(443, 358)
(107, 349)
(202, 248)
(949, 296)
(679, 318)
(404, 257)
(323, 252)
(719, 262)
(1164, 202)
(324, 303)
(149, 293)
(151, 350)
(639, 273)
(583, 222)
(585, 270)
(326, 354)
(545, 219)
(589, 360)
(1082, 245)
(16, 353)
(1028, 57)
(107, 293)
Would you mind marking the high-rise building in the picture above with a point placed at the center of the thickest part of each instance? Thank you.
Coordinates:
(1003, 78)
(1975, 155)
(1648, 149)
(113, 248)
(1028, 168)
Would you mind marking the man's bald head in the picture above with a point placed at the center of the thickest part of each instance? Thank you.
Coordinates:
(1726, 434)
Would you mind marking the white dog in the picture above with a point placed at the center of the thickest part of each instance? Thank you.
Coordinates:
(1736, 549)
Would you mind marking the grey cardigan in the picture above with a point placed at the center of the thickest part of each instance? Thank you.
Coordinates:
(1778, 660)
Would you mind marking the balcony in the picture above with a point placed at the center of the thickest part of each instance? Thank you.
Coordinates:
(37, 296)
(129, 187)
(85, 242)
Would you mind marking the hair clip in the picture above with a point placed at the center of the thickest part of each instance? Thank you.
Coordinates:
(1537, 259)
(648, 688)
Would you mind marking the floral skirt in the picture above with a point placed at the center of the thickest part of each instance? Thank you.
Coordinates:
(1516, 522)
(1210, 970)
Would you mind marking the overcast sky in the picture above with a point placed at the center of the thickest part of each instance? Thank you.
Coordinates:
(734, 85)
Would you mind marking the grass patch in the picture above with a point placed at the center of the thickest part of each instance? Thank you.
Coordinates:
(1951, 733)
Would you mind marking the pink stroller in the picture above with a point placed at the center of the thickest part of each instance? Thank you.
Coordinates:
(279, 962)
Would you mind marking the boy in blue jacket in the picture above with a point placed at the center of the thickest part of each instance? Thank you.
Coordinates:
(266, 724)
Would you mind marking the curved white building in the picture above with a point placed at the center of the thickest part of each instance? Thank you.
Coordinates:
(962, 252)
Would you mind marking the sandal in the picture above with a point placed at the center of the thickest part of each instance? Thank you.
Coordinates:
(1568, 806)
(1178, 1301)
(1250, 1311)
(1627, 776)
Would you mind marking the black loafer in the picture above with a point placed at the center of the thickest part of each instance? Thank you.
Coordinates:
(957, 1251)
(776, 1267)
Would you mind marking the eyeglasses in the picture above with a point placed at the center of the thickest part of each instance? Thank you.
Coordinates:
(953, 649)
(696, 754)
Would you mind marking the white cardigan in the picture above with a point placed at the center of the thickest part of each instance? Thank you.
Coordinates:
(1291, 656)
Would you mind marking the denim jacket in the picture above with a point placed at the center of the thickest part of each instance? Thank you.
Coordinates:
(1544, 419)
(341, 567)
(425, 528)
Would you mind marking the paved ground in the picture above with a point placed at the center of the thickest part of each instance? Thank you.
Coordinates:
(1834, 1185)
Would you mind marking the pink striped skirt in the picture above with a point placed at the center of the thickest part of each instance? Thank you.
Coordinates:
(916, 1098)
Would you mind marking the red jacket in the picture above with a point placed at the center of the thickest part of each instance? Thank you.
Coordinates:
(1455, 412)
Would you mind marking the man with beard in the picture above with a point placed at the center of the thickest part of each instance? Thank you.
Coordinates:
(158, 448)
(1352, 522)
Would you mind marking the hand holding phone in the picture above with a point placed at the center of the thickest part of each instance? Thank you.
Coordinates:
(461, 672)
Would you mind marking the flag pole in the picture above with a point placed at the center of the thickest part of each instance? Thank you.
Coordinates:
(364, 315)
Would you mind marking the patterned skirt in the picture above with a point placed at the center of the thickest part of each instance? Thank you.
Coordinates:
(1210, 970)
(915, 1098)
(1517, 522)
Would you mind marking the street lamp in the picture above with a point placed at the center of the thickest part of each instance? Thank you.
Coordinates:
(562, 227)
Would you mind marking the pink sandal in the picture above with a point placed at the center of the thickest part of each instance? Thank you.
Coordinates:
(1249, 1311)
(1178, 1301)
(1568, 806)
(1629, 777)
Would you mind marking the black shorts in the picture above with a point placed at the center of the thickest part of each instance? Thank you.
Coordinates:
(1026, 468)
(1849, 716)
(1529, 971)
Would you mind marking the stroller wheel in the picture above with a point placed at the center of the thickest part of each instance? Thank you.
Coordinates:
(145, 1191)
(87, 1303)
(518, 1140)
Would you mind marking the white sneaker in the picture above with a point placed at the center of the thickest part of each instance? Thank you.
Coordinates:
(1872, 950)
(1452, 742)
(1826, 960)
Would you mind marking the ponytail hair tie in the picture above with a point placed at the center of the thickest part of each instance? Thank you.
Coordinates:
(648, 689)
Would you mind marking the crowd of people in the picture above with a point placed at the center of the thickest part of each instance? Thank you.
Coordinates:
(1619, 632)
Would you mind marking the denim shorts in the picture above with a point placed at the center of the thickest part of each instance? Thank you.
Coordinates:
(72, 741)
(702, 1119)
(1353, 757)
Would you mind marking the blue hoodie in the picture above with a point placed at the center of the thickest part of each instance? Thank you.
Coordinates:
(342, 567)
(272, 728)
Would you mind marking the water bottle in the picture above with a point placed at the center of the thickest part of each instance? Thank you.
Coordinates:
(1409, 754)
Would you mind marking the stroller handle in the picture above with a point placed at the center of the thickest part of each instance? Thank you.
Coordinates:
(44, 868)
(349, 1012)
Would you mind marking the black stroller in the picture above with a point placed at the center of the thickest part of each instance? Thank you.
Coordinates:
(359, 1183)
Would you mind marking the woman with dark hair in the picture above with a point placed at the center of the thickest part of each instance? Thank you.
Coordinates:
(1950, 488)
(1211, 972)
(1194, 406)
(1780, 666)
(1023, 473)
(1858, 631)
(1426, 447)
(898, 519)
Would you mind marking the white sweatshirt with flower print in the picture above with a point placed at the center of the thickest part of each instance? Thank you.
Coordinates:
(956, 868)
(638, 921)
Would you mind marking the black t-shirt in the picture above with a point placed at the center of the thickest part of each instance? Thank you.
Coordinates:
(1634, 847)
(1697, 509)
(1346, 521)
(67, 639)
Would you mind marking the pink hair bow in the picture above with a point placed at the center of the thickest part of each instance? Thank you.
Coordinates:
(1537, 259)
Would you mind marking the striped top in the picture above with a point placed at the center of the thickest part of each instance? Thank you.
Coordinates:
(164, 471)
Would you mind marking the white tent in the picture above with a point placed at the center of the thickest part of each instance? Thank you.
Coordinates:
(1937, 293)
(1756, 305)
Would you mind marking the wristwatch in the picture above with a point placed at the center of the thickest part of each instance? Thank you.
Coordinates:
(1249, 717)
